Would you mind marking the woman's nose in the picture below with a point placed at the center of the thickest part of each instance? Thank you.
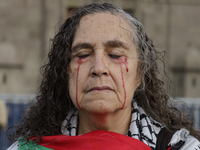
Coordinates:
(99, 66)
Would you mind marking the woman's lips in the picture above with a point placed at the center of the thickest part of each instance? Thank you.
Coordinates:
(100, 88)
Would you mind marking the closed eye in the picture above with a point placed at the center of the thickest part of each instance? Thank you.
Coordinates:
(83, 56)
(114, 56)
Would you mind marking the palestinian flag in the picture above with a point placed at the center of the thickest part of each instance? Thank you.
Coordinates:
(95, 140)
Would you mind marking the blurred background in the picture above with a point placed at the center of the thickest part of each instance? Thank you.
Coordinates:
(26, 26)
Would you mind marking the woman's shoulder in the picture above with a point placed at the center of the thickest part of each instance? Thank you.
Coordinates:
(184, 141)
(14, 146)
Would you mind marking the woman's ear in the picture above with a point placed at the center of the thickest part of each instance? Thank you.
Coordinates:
(138, 81)
(139, 76)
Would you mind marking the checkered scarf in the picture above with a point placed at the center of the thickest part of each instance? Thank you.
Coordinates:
(142, 126)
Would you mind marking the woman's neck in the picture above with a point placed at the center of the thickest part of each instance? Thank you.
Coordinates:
(117, 121)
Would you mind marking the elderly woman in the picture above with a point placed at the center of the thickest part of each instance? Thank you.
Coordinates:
(102, 82)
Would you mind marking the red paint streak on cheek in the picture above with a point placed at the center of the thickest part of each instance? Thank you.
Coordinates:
(126, 64)
(123, 84)
(79, 64)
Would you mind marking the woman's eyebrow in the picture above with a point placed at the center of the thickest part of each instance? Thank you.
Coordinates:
(79, 46)
(116, 43)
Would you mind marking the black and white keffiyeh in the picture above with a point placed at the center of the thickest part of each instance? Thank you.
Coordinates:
(142, 126)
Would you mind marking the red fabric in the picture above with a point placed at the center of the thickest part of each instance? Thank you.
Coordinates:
(169, 148)
(98, 140)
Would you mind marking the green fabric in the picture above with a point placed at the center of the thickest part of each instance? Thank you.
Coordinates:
(30, 145)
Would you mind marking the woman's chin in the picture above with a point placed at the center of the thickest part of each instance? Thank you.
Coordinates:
(100, 107)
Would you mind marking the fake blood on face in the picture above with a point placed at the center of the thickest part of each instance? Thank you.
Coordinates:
(79, 64)
(126, 64)
(123, 84)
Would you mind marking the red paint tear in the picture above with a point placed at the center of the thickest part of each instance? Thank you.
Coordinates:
(126, 64)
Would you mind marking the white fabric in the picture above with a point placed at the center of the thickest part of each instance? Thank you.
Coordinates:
(14, 146)
(191, 143)
(69, 125)
(143, 127)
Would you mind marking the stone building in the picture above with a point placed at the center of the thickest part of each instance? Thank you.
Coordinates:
(27, 26)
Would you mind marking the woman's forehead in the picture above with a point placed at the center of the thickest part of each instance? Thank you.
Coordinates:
(101, 24)
(104, 19)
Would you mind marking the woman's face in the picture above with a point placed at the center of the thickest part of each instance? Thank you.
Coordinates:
(103, 69)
